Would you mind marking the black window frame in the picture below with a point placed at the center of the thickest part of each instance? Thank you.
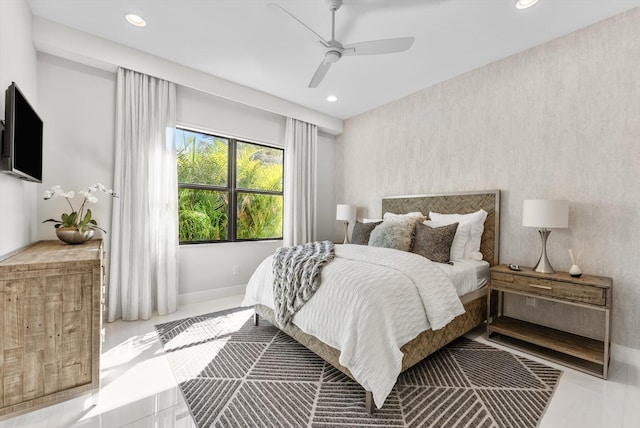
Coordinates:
(232, 189)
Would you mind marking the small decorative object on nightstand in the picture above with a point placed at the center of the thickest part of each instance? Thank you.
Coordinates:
(575, 270)
(587, 292)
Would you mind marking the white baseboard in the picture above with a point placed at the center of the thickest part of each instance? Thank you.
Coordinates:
(215, 293)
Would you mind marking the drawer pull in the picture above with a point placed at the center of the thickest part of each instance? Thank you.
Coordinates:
(544, 287)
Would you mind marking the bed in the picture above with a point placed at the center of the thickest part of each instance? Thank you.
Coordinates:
(429, 340)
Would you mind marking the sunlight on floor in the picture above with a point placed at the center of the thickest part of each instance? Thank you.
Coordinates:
(127, 351)
(125, 387)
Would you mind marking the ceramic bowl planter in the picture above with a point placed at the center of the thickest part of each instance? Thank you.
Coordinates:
(71, 235)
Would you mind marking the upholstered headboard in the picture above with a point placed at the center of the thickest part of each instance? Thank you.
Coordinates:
(460, 203)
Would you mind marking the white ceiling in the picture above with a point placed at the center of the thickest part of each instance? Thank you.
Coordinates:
(248, 43)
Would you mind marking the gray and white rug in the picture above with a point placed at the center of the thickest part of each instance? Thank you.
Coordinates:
(233, 374)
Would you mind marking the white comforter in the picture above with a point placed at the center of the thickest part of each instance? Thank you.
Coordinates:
(370, 303)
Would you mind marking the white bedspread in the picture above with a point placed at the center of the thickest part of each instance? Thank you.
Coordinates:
(371, 302)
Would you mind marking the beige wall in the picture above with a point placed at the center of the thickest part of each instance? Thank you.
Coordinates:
(561, 121)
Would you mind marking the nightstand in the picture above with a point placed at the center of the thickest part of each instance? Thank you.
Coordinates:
(587, 292)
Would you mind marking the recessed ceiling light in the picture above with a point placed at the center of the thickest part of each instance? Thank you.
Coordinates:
(332, 98)
(523, 4)
(135, 20)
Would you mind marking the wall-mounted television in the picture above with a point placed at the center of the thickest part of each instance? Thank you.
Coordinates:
(21, 154)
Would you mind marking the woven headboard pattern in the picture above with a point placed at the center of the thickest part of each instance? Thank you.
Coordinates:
(460, 203)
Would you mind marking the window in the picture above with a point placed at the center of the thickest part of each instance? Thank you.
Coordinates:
(228, 190)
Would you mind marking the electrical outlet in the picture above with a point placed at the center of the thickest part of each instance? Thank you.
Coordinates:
(530, 301)
(236, 269)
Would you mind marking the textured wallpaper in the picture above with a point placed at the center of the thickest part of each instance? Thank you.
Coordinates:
(559, 121)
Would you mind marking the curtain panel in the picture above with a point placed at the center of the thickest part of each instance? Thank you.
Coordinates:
(300, 190)
(144, 242)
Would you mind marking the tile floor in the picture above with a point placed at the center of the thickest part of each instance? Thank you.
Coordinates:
(139, 390)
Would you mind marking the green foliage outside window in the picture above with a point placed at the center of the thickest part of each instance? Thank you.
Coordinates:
(202, 159)
(204, 194)
(259, 216)
(202, 215)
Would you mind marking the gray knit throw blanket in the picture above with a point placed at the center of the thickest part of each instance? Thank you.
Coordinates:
(296, 276)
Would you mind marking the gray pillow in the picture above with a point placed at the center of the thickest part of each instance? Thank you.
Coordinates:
(362, 231)
(391, 234)
(434, 243)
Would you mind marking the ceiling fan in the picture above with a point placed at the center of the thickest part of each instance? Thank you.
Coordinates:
(334, 50)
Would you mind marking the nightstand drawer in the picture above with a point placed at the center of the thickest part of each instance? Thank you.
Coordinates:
(573, 292)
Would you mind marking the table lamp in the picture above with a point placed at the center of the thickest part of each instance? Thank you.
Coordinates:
(545, 214)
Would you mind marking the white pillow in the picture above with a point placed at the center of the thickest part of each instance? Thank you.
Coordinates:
(476, 220)
(463, 233)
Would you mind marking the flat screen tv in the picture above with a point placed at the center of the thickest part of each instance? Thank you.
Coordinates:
(22, 138)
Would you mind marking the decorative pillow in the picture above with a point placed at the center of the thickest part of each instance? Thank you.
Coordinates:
(371, 220)
(361, 232)
(412, 218)
(459, 240)
(476, 220)
(434, 243)
(392, 234)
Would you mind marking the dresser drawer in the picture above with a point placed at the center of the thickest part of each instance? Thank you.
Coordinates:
(573, 292)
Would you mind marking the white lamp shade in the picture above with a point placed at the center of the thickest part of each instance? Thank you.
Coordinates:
(545, 213)
(345, 212)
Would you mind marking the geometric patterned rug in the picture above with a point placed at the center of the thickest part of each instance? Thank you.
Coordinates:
(234, 374)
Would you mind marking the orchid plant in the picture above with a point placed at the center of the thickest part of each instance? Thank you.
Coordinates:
(80, 218)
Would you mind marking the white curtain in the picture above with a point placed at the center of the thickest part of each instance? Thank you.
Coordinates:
(144, 242)
(300, 189)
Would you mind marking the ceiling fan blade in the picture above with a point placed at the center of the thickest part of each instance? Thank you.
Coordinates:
(375, 47)
(320, 73)
(280, 9)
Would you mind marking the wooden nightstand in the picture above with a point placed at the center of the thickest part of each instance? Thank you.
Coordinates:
(588, 292)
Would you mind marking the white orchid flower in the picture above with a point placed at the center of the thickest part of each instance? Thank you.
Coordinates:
(98, 186)
(56, 191)
(82, 216)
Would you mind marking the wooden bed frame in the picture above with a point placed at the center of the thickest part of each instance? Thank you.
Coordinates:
(475, 303)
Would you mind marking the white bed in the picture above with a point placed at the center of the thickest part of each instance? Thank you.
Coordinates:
(374, 301)
(415, 294)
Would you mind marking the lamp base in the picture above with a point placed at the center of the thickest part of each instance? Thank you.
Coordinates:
(543, 265)
(346, 232)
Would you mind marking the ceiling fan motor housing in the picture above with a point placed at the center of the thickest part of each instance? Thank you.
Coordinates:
(334, 4)
(332, 56)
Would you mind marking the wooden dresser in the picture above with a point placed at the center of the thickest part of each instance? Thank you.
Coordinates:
(587, 292)
(50, 324)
